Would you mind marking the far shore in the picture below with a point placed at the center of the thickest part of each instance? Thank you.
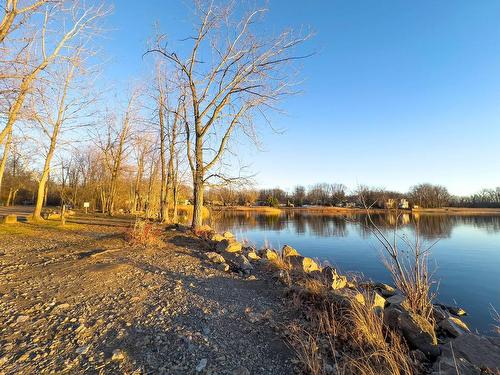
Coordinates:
(344, 210)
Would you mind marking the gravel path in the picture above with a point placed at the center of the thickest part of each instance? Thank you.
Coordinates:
(84, 302)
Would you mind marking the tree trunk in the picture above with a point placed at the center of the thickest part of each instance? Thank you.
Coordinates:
(4, 157)
(198, 185)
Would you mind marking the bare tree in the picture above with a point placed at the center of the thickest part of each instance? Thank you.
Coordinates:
(242, 74)
(52, 131)
(14, 15)
(70, 23)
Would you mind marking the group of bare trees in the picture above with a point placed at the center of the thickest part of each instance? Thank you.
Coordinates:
(209, 88)
(43, 47)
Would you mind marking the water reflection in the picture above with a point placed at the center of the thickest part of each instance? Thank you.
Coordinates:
(431, 226)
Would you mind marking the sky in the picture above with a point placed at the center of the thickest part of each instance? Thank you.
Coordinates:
(397, 93)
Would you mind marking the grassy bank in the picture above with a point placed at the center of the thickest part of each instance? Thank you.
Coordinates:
(262, 209)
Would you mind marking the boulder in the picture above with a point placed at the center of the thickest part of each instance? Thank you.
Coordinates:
(268, 254)
(455, 310)
(215, 257)
(239, 262)
(229, 246)
(453, 326)
(216, 237)
(252, 255)
(227, 235)
(384, 290)
(289, 251)
(303, 264)
(480, 351)
(8, 219)
(417, 331)
(439, 313)
(452, 365)
(378, 302)
(396, 299)
(223, 267)
(339, 282)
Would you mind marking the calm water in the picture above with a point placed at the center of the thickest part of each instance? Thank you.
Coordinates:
(465, 260)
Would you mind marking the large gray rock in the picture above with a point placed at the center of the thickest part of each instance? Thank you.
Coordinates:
(304, 264)
(229, 246)
(453, 326)
(239, 262)
(480, 351)
(215, 257)
(449, 365)
(418, 333)
(289, 251)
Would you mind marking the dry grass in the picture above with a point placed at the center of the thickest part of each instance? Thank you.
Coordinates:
(144, 233)
(366, 345)
(187, 211)
(260, 209)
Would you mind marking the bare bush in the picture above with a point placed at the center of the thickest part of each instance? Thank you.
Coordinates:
(144, 233)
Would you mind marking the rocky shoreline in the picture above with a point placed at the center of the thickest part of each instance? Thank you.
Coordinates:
(447, 347)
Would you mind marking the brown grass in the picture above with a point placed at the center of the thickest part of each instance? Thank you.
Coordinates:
(260, 209)
(367, 346)
(144, 233)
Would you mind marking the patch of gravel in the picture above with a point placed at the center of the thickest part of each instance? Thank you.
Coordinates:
(84, 302)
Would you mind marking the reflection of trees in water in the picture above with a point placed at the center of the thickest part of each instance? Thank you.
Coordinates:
(321, 225)
(489, 223)
(431, 226)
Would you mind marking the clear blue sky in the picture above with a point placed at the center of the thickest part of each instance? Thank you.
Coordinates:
(398, 92)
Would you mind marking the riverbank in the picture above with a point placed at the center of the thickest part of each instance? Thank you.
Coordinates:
(357, 326)
(81, 299)
(352, 210)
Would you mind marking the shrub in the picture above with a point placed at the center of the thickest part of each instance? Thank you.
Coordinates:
(144, 233)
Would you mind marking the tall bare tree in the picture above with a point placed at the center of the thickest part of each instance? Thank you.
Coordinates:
(69, 23)
(16, 15)
(232, 73)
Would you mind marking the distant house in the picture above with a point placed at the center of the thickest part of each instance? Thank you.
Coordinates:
(404, 204)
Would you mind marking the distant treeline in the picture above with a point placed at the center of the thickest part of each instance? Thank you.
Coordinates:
(337, 195)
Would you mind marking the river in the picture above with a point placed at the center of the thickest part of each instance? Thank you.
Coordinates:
(465, 260)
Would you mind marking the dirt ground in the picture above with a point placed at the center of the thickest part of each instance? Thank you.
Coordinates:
(80, 300)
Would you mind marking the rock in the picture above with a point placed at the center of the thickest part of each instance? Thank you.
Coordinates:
(303, 264)
(229, 246)
(439, 313)
(227, 235)
(240, 371)
(216, 237)
(223, 267)
(289, 251)
(215, 257)
(480, 351)
(269, 254)
(239, 262)
(252, 255)
(201, 365)
(339, 282)
(118, 355)
(22, 318)
(452, 365)
(396, 299)
(458, 311)
(328, 273)
(378, 302)
(384, 290)
(418, 333)
(453, 326)
(83, 349)
(62, 306)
